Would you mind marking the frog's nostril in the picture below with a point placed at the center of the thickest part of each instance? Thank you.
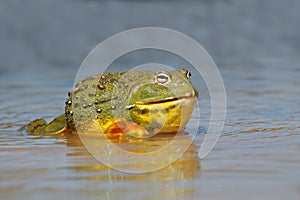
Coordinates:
(188, 74)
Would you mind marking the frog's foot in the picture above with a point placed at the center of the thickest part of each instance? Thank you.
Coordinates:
(127, 130)
(40, 126)
(34, 127)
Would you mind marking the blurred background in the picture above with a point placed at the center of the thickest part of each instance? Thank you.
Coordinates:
(255, 44)
(60, 33)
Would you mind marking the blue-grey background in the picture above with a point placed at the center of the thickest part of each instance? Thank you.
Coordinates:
(60, 33)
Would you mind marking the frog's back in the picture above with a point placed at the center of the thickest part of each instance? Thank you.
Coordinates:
(100, 96)
(91, 99)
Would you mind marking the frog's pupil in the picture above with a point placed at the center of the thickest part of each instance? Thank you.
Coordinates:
(162, 78)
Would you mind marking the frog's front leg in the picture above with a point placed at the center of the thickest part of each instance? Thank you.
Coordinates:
(124, 129)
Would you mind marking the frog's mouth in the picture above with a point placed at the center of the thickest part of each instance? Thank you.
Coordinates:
(168, 115)
(166, 100)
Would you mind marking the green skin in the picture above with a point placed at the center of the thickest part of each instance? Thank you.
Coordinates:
(114, 95)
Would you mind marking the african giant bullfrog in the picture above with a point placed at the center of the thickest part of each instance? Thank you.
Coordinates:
(133, 103)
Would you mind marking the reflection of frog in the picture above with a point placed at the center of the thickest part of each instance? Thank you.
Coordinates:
(135, 102)
(174, 181)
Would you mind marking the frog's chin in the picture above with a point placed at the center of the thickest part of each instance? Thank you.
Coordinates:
(180, 110)
(173, 114)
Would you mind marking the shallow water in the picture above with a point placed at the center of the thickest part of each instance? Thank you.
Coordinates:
(258, 151)
(256, 46)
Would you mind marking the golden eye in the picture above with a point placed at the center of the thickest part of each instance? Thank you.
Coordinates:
(188, 74)
(162, 78)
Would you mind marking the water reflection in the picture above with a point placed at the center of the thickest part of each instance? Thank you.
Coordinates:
(170, 182)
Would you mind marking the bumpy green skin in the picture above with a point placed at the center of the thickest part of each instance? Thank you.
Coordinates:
(114, 95)
(88, 97)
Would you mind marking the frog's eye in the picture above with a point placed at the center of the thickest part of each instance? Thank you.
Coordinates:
(188, 74)
(162, 77)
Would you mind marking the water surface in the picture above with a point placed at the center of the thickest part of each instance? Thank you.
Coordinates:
(258, 151)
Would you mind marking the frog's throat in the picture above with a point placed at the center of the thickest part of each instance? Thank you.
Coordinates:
(170, 99)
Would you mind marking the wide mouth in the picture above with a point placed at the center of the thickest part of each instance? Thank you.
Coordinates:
(166, 100)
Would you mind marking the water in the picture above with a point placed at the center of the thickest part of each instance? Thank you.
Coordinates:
(257, 154)
(258, 151)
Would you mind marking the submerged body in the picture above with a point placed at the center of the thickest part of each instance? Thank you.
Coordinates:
(133, 103)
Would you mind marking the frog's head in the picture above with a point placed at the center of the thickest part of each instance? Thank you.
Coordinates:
(162, 101)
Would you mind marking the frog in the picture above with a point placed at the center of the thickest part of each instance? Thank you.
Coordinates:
(136, 103)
